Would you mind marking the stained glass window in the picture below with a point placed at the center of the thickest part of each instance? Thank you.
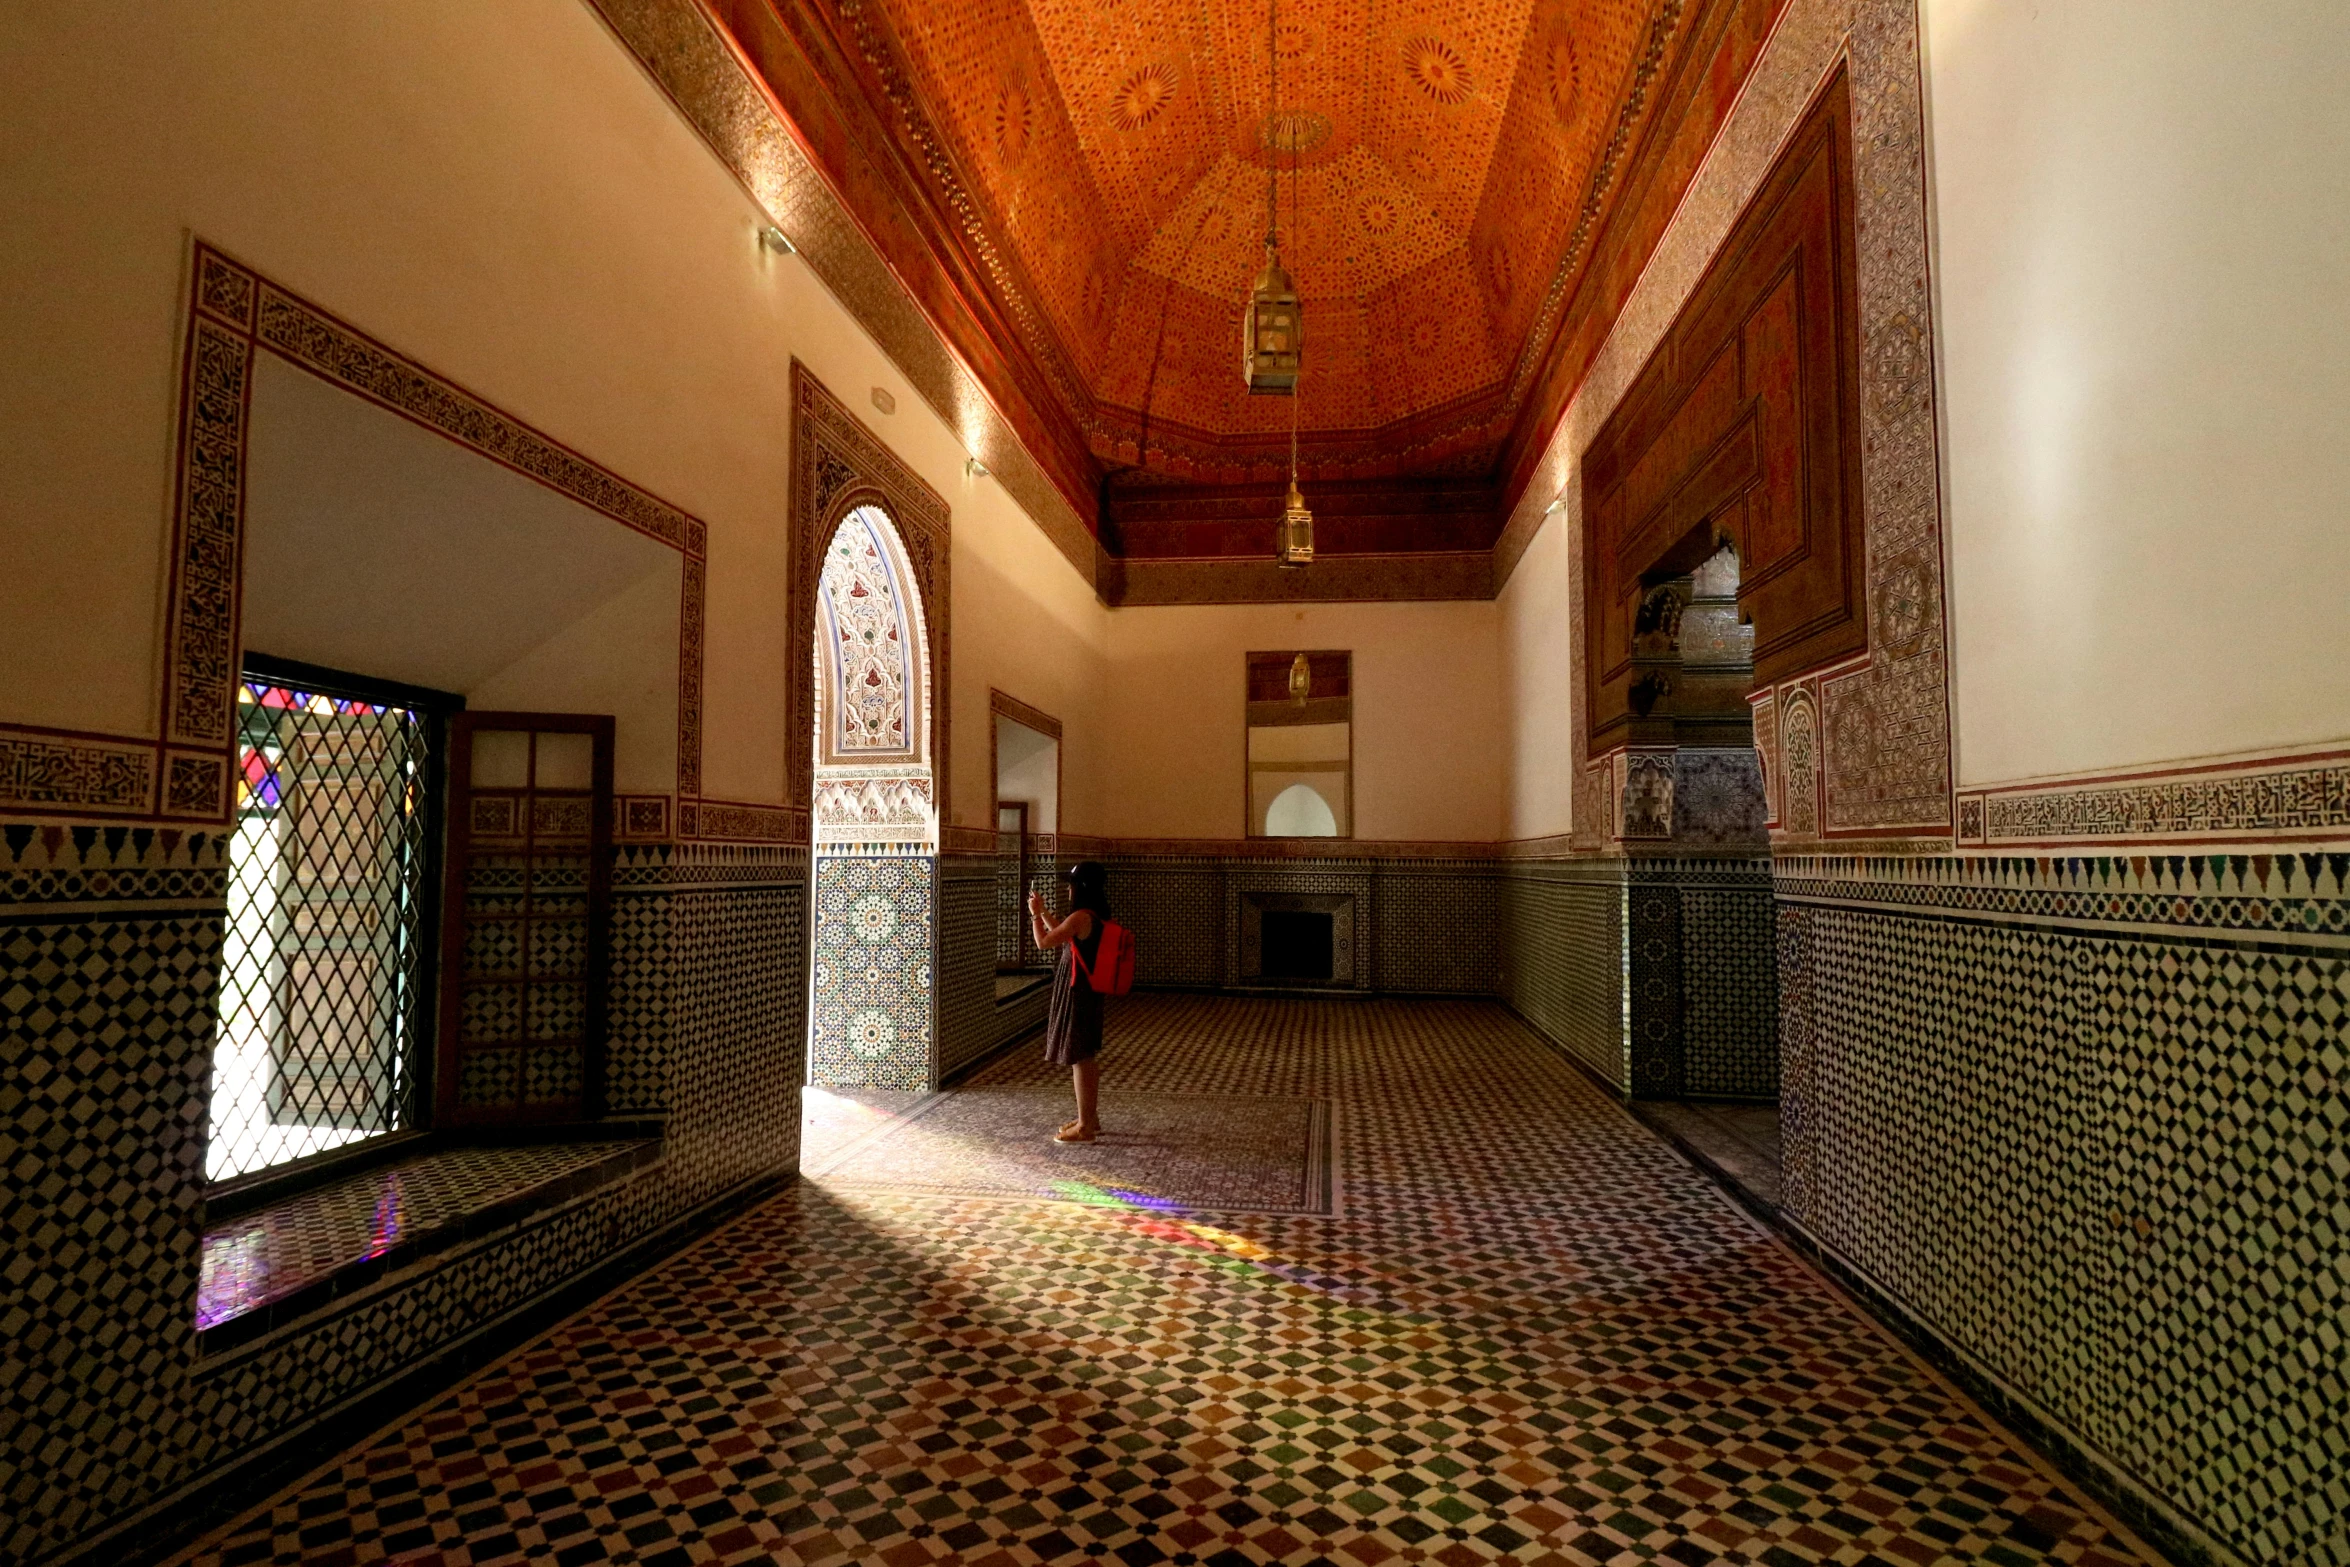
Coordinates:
(323, 976)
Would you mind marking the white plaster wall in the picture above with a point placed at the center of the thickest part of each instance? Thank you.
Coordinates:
(1028, 625)
(1027, 768)
(373, 544)
(1427, 716)
(573, 672)
(496, 191)
(1538, 674)
(2142, 250)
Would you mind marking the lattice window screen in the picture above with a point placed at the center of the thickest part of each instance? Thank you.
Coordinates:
(339, 979)
(326, 976)
(528, 921)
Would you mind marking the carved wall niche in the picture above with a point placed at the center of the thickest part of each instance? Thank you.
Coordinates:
(1648, 795)
(1743, 429)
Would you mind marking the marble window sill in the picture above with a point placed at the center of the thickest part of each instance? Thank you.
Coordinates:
(1017, 987)
(274, 1264)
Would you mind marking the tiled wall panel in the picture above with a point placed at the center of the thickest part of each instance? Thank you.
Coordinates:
(874, 992)
(642, 999)
(1176, 910)
(2087, 1118)
(971, 1023)
(1729, 988)
(1657, 973)
(1562, 958)
(1438, 930)
(109, 964)
(111, 944)
(1945, 1136)
(2224, 1076)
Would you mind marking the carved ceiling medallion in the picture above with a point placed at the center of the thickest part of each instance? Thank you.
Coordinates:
(1141, 96)
(1437, 69)
(1563, 76)
(1287, 131)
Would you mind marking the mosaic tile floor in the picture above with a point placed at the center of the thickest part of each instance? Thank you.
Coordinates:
(1741, 1141)
(1250, 1153)
(274, 1252)
(1537, 1336)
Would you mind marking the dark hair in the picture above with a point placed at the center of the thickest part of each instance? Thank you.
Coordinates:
(1089, 887)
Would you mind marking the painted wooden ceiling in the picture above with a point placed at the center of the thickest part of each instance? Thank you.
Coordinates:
(1121, 151)
(1076, 191)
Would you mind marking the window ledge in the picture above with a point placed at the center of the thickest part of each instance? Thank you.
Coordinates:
(1016, 987)
(265, 1268)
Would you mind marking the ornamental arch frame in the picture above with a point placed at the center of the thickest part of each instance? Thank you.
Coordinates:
(838, 467)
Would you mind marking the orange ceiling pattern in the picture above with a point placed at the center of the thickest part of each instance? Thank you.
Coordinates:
(1119, 152)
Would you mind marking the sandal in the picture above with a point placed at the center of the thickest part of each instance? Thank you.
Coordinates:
(1073, 1133)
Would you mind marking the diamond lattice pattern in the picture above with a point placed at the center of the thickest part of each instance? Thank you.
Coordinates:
(320, 985)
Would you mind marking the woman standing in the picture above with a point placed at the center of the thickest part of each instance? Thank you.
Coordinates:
(1073, 1026)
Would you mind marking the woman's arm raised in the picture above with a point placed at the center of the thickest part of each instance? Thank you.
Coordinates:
(1076, 927)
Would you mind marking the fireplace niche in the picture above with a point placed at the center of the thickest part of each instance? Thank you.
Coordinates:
(1304, 940)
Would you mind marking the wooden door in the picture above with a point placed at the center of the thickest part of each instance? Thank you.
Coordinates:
(528, 919)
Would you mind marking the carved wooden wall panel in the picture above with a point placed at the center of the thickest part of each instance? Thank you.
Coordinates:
(1745, 426)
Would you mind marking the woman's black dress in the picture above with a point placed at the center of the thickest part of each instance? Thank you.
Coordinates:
(1073, 1025)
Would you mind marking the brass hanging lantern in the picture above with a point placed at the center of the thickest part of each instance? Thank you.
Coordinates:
(1301, 680)
(1272, 349)
(1272, 331)
(1297, 527)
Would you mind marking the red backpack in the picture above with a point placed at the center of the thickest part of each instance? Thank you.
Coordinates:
(1112, 972)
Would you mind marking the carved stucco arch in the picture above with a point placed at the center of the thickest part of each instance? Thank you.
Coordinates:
(838, 466)
(871, 520)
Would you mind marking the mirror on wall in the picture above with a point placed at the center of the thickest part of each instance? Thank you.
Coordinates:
(1301, 744)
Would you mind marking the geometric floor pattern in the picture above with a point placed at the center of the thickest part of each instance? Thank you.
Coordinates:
(1536, 1335)
(1740, 1141)
(1195, 1152)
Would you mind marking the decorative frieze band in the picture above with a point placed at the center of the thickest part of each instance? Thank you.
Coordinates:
(966, 840)
(2296, 797)
(83, 774)
(1020, 712)
(742, 821)
(640, 818)
(663, 867)
(47, 865)
(327, 347)
(1075, 846)
(2282, 897)
(199, 692)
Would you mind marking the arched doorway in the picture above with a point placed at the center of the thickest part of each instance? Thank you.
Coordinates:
(872, 1006)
